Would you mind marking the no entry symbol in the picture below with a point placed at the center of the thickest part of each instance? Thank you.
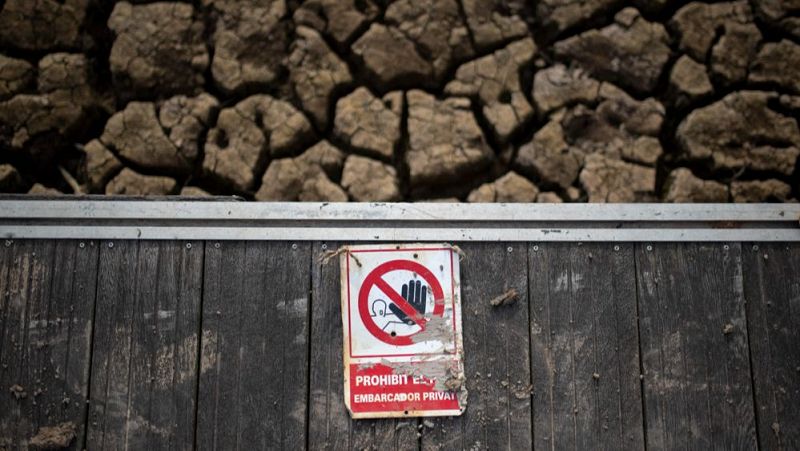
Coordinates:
(407, 303)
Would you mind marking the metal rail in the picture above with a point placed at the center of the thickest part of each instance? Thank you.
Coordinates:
(217, 220)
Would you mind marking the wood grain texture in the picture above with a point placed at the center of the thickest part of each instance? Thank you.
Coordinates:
(330, 425)
(693, 330)
(772, 290)
(584, 347)
(47, 299)
(254, 362)
(496, 354)
(238, 345)
(144, 367)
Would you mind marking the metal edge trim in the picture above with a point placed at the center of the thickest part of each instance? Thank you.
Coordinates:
(367, 234)
(363, 222)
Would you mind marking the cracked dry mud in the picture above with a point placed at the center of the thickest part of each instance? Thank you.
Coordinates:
(380, 100)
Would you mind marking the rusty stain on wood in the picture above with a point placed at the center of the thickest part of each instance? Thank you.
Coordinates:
(509, 297)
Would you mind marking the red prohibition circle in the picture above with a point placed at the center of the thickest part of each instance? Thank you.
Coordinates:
(375, 278)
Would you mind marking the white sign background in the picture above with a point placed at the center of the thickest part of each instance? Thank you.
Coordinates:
(438, 260)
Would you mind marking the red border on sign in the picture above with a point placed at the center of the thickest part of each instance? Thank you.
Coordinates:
(452, 299)
(375, 278)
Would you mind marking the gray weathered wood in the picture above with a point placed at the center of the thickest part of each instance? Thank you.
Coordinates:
(47, 298)
(330, 426)
(261, 368)
(584, 347)
(144, 366)
(254, 363)
(772, 291)
(496, 347)
(329, 422)
(693, 334)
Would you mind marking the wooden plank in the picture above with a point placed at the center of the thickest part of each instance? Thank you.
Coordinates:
(584, 347)
(47, 300)
(695, 357)
(253, 382)
(330, 426)
(144, 366)
(497, 359)
(772, 290)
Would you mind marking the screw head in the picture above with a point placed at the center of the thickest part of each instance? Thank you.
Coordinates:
(110, 244)
(535, 248)
(81, 245)
(510, 249)
(649, 248)
(8, 243)
(188, 245)
(216, 245)
(616, 247)
(294, 246)
(755, 247)
(324, 246)
(726, 247)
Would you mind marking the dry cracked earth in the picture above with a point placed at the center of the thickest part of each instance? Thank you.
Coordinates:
(373, 100)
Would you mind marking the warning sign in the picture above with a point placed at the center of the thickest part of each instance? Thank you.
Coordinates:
(401, 312)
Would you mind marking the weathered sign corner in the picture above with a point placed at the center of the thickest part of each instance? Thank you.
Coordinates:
(401, 316)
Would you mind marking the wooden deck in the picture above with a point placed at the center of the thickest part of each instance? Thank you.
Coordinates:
(237, 345)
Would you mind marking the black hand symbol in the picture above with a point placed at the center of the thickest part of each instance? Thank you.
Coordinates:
(415, 294)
